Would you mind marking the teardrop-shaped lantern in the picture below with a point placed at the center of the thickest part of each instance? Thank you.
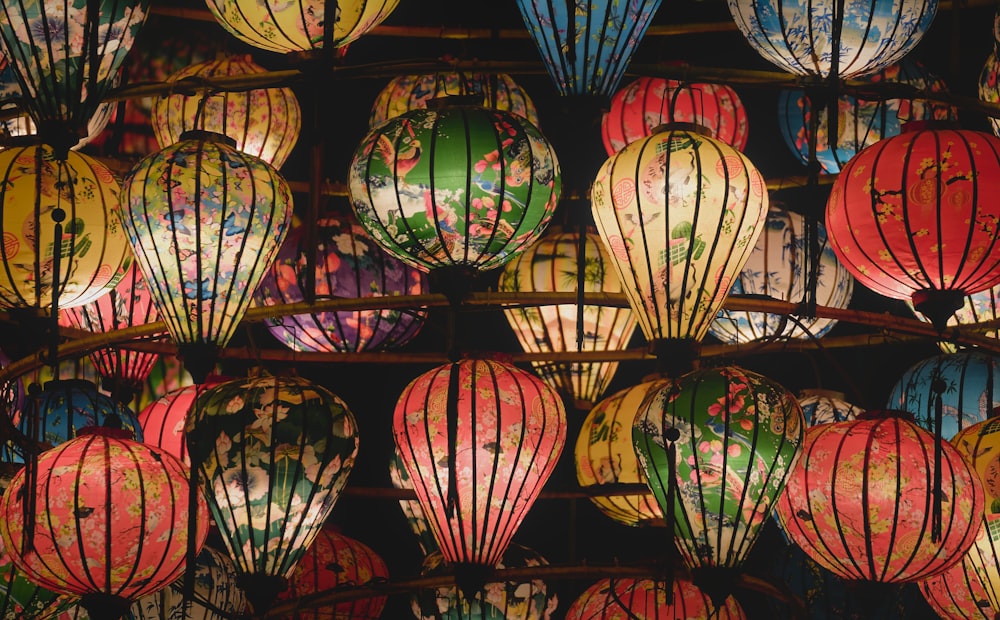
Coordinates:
(552, 265)
(162, 421)
(215, 595)
(264, 122)
(586, 46)
(628, 597)
(414, 514)
(205, 221)
(272, 454)
(958, 593)
(469, 421)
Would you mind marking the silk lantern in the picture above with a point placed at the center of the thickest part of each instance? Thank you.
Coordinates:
(958, 593)
(628, 597)
(478, 438)
(989, 85)
(215, 595)
(821, 406)
(414, 514)
(162, 421)
(22, 598)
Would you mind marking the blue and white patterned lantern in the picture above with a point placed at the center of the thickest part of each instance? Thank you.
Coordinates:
(825, 406)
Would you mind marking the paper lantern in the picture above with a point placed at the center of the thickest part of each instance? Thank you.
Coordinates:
(911, 218)
(461, 187)
(264, 122)
(779, 268)
(826, 38)
(215, 596)
(861, 500)
(716, 446)
(347, 264)
(478, 438)
(299, 25)
(824, 406)
(272, 455)
(336, 561)
(514, 599)
(162, 421)
(110, 520)
(648, 102)
(38, 190)
(958, 593)
(414, 514)
(627, 597)
(680, 213)
(205, 221)
(605, 454)
(551, 265)
(587, 51)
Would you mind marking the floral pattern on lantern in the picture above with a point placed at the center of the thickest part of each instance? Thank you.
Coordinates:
(648, 102)
(778, 268)
(479, 458)
(887, 462)
(414, 514)
(824, 406)
(989, 84)
(264, 122)
(347, 264)
(958, 593)
(162, 421)
(647, 598)
(457, 186)
(21, 598)
(216, 595)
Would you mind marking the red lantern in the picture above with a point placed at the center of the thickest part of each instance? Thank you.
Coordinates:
(958, 593)
(611, 599)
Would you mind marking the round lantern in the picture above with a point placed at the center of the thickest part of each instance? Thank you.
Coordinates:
(613, 598)
(498, 91)
(605, 454)
(109, 523)
(38, 192)
(586, 46)
(861, 500)
(911, 217)
(273, 454)
(860, 122)
(331, 561)
(459, 187)
(716, 446)
(205, 221)
(299, 25)
(551, 265)
(264, 122)
(215, 596)
(21, 598)
(989, 85)
(680, 213)
(824, 406)
(347, 264)
(162, 421)
(414, 514)
(511, 600)
(958, 593)
(778, 268)
(648, 102)
(478, 438)
(830, 38)
(960, 384)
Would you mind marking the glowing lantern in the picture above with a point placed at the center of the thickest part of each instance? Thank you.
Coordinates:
(215, 597)
(648, 102)
(911, 217)
(550, 265)
(825, 406)
(989, 85)
(347, 264)
(478, 438)
(273, 454)
(779, 268)
(414, 514)
(958, 593)
(162, 421)
(110, 520)
(264, 122)
(861, 500)
(22, 598)
(205, 221)
(647, 598)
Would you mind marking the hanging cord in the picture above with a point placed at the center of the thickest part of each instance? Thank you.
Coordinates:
(30, 488)
(671, 435)
(581, 280)
(58, 217)
(451, 414)
(190, 570)
(938, 386)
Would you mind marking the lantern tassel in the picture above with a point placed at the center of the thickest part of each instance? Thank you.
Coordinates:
(938, 386)
(452, 422)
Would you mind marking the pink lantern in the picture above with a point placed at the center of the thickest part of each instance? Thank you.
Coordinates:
(958, 593)
(162, 421)
(611, 599)
(478, 438)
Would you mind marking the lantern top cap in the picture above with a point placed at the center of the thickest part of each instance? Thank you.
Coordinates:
(106, 431)
(208, 136)
(679, 126)
(886, 414)
(927, 124)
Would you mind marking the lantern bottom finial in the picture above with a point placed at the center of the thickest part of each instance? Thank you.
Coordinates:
(675, 356)
(471, 578)
(101, 606)
(938, 305)
(718, 582)
(199, 359)
(261, 590)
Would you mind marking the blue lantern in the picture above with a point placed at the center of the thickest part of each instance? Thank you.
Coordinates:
(826, 406)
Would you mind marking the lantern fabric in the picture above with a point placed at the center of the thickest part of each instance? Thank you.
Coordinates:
(588, 51)
(215, 597)
(801, 36)
(110, 522)
(506, 600)
(648, 102)
(347, 264)
(459, 186)
(627, 597)
(680, 213)
(299, 25)
(911, 218)
(551, 265)
(989, 85)
(736, 435)
(414, 514)
(821, 406)
(479, 438)
(162, 421)
(36, 189)
(273, 454)
(333, 561)
(264, 122)
(498, 91)
(958, 593)
(860, 500)
(205, 221)
(604, 454)
(779, 268)
(21, 598)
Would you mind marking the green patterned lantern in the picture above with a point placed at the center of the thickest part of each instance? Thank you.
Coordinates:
(716, 446)
(273, 454)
